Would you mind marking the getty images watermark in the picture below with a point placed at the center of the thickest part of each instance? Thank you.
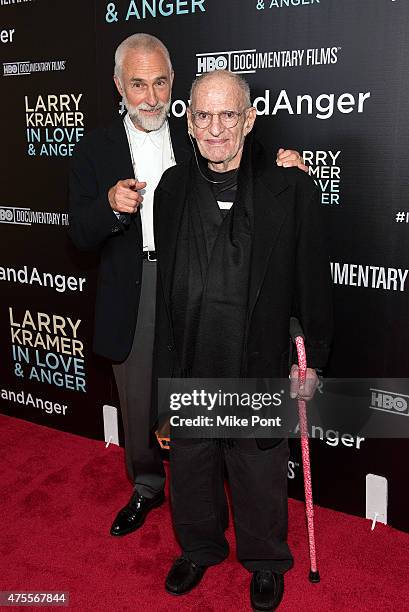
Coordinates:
(263, 408)
(229, 401)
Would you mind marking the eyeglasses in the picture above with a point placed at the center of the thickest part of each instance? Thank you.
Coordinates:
(228, 118)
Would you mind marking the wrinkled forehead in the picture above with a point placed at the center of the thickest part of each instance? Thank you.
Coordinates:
(145, 64)
(217, 94)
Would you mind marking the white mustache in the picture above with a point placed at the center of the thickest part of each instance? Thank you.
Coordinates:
(148, 107)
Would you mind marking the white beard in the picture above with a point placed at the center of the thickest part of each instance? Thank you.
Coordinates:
(142, 120)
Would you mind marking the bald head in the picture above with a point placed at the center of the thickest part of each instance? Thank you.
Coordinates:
(220, 79)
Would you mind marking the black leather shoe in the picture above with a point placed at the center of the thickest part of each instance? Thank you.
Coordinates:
(133, 515)
(266, 590)
(183, 576)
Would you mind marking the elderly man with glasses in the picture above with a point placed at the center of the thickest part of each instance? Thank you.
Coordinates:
(240, 250)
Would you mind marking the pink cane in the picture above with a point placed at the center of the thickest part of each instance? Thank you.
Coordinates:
(298, 339)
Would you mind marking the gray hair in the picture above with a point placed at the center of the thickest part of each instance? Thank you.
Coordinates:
(139, 42)
(237, 78)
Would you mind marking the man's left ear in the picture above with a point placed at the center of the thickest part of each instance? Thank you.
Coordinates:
(251, 117)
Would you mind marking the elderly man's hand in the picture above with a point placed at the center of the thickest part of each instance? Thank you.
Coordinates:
(288, 158)
(305, 391)
(124, 197)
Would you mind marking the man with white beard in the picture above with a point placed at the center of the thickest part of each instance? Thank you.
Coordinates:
(114, 173)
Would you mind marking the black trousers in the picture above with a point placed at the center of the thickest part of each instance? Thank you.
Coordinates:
(258, 484)
(133, 380)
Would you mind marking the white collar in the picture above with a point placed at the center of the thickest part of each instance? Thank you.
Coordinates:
(139, 137)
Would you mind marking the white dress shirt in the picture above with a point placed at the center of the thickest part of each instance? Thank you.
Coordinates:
(152, 154)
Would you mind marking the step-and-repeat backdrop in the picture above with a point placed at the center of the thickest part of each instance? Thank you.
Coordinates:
(328, 78)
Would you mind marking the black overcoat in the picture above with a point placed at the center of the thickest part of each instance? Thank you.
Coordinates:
(100, 160)
(289, 274)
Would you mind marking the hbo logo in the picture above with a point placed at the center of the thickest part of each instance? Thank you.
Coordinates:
(210, 62)
(386, 401)
(10, 69)
(6, 215)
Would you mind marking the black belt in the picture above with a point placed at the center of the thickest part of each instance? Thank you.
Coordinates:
(149, 255)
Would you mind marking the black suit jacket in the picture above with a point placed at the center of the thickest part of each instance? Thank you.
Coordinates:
(290, 273)
(100, 159)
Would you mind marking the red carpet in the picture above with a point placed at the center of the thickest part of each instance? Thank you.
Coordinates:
(59, 494)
